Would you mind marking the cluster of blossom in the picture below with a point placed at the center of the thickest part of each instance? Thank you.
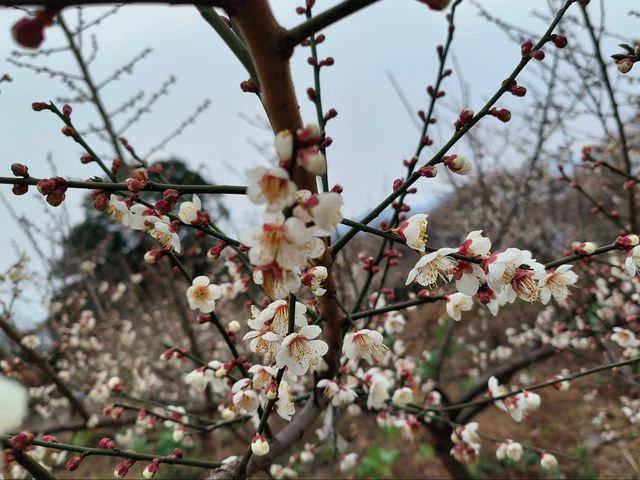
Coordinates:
(496, 279)
(518, 406)
(282, 248)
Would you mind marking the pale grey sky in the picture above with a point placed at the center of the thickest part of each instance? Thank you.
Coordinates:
(372, 133)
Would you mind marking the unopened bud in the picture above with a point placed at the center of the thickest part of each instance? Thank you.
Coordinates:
(428, 171)
(69, 131)
(20, 170)
(39, 106)
(73, 463)
(625, 65)
(20, 189)
(56, 197)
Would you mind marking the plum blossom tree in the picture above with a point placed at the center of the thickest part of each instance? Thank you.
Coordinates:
(320, 342)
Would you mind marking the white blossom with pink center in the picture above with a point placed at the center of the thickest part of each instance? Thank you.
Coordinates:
(271, 186)
(301, 351)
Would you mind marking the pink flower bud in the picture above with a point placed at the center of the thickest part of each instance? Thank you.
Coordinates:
(101, 202)
(68, 131)
(436, 4)
(86, 158)
(559, 41)
(73, 463)
(249, 86)
(134, 185)
(526, 47)
(171, 195)
(584, 248)
(20, 189)
(66, 110)
(20, 170)
(627, 241)
(457, 164)
(501, 114)
(39, 106)
(121, 469)
(116, 165)
(29, 32)
(150, 470)
(153, 255)
(56, 197)
(45, 186)
(163, 207)
(428, 171)
(22, 441)
(107, 443)
(538, 55)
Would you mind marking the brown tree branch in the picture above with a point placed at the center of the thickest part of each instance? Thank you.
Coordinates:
(15, 336)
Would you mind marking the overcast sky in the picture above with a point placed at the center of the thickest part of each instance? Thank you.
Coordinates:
(372, 133)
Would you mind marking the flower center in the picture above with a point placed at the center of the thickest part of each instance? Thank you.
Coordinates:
(273, 187)
(524, 285)
(300, 349)
(164, 239)
(201, 293)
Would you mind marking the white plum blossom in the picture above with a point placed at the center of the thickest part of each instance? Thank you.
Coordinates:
(120, 211)
(189, 212)
(276, 281)
(244, 397)
(378, 392)
(509, 450)
(340, 395)
(624, 338)
(458, 303)
(198, 378)
(466, 443)
(14, 403)
(366, 344)
(518, 406)
(271, 186)
(632, 262)
(548, 461)
(275, 317)
(288, 242)
(557, 284)
(284, 404)
(402, 396)
(394, 322)
(30, 341)
(323, 209)
(414, 231)
(312, 160)
(348, 461)
(264, 342)
(314, 278)
(262, 375)
(300, 351)
(475, 245)
(284, 145)
(516, 274)
(164, 233)
(432, 267)
(202, 294)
